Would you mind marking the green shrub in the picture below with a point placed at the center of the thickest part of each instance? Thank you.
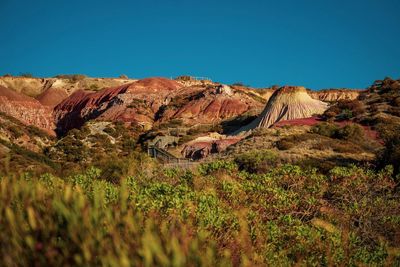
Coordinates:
(345, 110)
(291, 141)
(390, 133)
(94, 87)
(325, 129)
(16, 131)
(221, 217)
(256, 161)
(285, 144)
(353, 132)
(33, 130)
(72, 77)
(207, 168)
(26, 75)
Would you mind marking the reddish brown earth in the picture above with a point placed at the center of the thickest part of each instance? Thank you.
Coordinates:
(26, 109)
(212, 104)
(303, 121)
(202, 149)
(143, 102)
(135, 103)
(154, 99)
(52, 97)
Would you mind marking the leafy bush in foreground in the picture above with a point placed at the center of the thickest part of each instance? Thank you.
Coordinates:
(211, 217)
(256, 161)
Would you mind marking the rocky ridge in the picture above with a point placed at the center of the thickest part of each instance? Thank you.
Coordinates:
(26, 109)
(287, 103)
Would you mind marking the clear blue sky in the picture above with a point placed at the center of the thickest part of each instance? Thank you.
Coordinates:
(315, 43)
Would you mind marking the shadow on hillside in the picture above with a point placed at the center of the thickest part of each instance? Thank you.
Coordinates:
(236, 123)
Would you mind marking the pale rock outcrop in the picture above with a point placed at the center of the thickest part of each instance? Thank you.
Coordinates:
(287, 103)
(334, 95)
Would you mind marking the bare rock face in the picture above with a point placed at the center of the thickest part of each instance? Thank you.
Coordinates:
(52, 97)
(334, 95)
(201, 149)
(34, 87)
(136, 102)
(154, 99)
(210, 104)
(287, 103)
(26, 109)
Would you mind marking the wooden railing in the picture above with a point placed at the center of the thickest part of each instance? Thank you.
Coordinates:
(171, 161)
(165, 156)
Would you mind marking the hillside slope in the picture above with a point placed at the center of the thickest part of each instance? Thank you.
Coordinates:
(287, 103)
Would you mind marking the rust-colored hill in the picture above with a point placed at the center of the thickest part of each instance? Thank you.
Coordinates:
(147, 101)
(210, 104)
(14, 96)
(52, 97)
(135, 103)
(26, 109)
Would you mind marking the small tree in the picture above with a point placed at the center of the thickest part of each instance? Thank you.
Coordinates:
(26, 75)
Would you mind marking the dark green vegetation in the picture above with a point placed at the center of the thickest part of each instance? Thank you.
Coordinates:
(379, 108)
(216, 215)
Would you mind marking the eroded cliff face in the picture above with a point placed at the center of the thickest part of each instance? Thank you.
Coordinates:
(334, 95)
(34, 87)
(287, 103)
(199, 149)
(135, 103)
(209, 104)
(52, 97)
(26, 109)
(154, 99)
(328, 95)
(144, 102)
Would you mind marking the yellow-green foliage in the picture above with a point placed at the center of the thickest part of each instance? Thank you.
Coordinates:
(216, 216)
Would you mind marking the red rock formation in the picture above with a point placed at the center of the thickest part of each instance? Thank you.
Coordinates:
(52, 97)
(26, 109)
(154, 99)
(136, 102)
(211, 104)
(302, 121)
(201, 149)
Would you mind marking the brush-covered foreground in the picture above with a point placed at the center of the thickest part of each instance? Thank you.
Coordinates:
(215, 215)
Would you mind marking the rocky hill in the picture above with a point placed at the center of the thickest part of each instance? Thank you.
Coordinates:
(26, 109)
(287, 103)
(22, 146)
(52, 97)
(34, 87)
(154, 100)
(334, 95)
(76, 99)
(136, 102)
(96, 125)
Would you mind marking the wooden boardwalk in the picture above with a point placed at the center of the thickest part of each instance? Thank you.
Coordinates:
(169, 160)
